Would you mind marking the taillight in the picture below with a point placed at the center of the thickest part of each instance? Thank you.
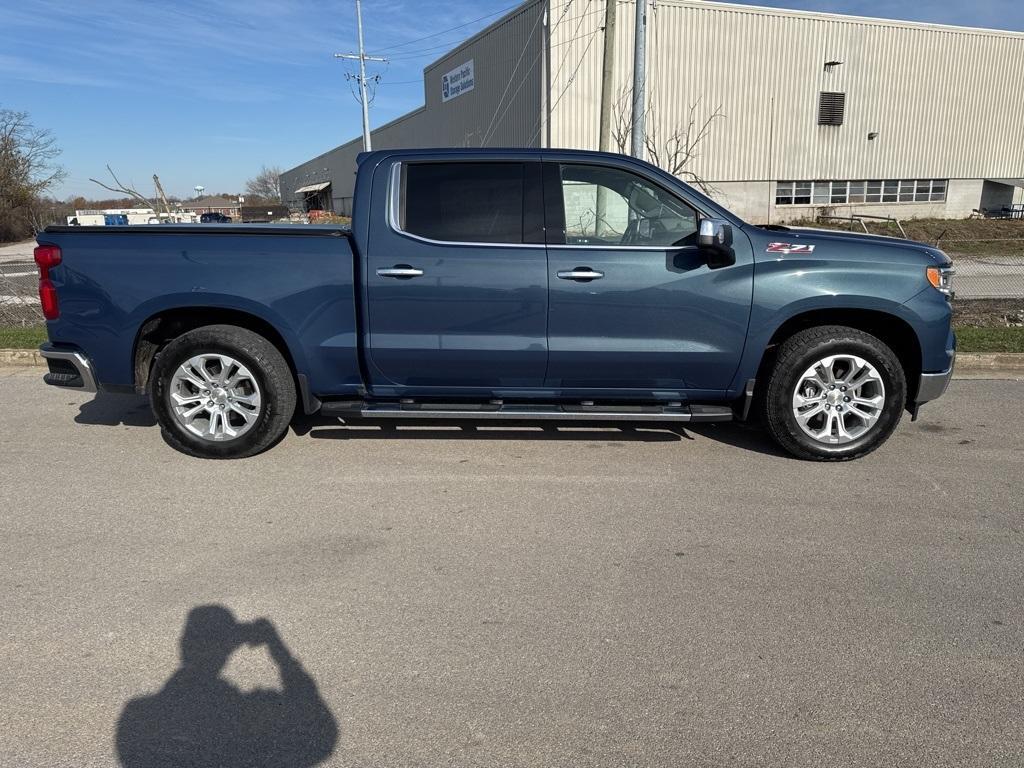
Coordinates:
(47, 257)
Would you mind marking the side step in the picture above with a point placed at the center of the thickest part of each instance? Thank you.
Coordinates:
(528, 411)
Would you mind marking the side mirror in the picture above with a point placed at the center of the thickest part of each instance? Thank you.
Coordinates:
(715, 240)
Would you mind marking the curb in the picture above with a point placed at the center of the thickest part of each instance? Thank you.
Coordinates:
(967, 365)
(21, 357)
(1003, 362)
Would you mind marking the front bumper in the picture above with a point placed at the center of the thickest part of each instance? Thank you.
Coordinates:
(933, 385)
(69, 368)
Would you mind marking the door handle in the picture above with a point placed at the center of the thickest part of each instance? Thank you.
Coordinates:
(580, 273)
(401, 271)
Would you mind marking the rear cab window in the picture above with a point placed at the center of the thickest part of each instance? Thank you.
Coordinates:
(462, 202)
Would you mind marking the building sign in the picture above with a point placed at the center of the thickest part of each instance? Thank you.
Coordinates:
(457, 82)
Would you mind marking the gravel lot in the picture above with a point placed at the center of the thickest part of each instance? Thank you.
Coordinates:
(14, 252)
(640, 598)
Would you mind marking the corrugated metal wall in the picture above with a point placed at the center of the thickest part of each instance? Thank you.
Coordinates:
(945, 102)
(503, 109)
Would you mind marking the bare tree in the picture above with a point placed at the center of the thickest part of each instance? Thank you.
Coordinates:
(265, 185)
(672, 151)
(124, 189)
(27, 171)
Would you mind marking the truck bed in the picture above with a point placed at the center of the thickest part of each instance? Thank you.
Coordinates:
(298, 280)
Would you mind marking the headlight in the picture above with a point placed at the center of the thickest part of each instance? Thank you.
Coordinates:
(941, 279)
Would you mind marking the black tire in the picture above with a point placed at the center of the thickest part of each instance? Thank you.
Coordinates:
(264, 361)
(801, 351)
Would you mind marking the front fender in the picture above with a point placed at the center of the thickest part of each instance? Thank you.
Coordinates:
(784, 289)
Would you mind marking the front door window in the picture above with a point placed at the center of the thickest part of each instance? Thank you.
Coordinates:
(608, 206)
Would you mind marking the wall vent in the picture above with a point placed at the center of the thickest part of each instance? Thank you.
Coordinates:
(831, 108)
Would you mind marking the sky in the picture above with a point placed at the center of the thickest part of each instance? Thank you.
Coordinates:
(205, 92)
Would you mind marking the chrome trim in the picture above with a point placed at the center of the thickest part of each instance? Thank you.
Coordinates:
(525, 413)
(77, 359)
(932, 386)
(579, 274)
(394, 203)
(662, 248)
(400, 272)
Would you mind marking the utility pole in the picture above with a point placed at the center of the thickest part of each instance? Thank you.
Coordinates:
(639, 78)
(363, 58)
(607, 74)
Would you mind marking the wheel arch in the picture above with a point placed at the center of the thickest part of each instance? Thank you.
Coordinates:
(162, 327)
(890, 329)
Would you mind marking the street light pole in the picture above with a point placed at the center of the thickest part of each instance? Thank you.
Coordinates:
(363, 58)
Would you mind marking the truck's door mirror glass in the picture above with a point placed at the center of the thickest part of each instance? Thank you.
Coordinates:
(461, 202)
(612, 207)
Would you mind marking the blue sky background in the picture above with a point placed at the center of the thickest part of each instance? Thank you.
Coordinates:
(205, 92)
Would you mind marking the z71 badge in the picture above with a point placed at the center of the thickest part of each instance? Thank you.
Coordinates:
(789, 248)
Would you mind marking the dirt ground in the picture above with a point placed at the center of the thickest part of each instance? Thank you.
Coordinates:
(990, 313)
(987, 239)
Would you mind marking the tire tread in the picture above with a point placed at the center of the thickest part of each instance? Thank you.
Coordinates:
(269, 364)
(792, 350)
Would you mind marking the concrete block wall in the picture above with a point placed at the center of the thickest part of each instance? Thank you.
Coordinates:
(754, 201)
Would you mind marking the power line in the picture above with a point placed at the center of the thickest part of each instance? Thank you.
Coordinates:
(419, 53)
(450, 29)
(529, 39)
(363, 58)
(565, 56)
(565, 12)
(511, 101)
(568, 84)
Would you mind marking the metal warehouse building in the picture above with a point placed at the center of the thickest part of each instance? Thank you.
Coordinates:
(804, 111)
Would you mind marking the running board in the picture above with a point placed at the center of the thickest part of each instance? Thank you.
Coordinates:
(528, 412)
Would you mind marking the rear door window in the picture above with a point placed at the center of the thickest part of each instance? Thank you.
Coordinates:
(463, 202)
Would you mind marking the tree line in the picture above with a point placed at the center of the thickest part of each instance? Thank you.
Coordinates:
(29, 172)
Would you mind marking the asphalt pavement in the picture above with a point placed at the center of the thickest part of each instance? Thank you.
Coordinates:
(509, 597)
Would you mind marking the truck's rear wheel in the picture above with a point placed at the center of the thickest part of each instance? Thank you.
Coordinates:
(222, 392)
(835, 393)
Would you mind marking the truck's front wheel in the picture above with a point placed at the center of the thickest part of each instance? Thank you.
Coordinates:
(835, 393)
(222, 392)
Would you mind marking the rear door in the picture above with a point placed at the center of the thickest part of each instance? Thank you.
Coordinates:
(456, 275)
(633, 303)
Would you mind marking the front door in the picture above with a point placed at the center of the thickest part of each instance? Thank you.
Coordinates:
(457, 277)
(633, 304)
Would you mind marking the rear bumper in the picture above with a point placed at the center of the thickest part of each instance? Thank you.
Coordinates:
(933, 385)
(69, 368)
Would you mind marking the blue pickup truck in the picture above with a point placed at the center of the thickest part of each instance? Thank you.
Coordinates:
(503, 284)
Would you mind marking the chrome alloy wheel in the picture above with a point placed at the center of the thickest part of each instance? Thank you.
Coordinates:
(838, 399)
(214, 397)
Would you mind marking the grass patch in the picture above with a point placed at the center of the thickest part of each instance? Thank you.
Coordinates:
(18, 337)
(974, 339)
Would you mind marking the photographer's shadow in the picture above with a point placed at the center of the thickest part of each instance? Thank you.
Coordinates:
(199, 719)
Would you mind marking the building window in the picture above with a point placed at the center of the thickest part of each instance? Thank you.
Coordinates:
(831, 108)
(860, 191)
